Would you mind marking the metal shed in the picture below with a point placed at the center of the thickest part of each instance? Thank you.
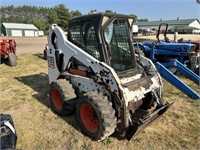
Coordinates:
(18, 29)
(180, 25)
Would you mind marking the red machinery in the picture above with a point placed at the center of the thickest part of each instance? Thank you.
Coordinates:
(197, 52)
(197, 43)
(8, 51)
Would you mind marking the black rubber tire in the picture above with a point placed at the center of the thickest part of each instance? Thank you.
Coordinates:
(45, 54)
(104, 114)
(63, 98)
(12, 60)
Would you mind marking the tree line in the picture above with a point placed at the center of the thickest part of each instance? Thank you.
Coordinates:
(43, 17)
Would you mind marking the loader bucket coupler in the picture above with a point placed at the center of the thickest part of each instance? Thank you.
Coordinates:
(136, 127)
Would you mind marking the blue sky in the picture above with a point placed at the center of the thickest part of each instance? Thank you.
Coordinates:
(150, 9)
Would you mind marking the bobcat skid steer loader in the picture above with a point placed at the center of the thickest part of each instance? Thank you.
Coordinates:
(95, 72)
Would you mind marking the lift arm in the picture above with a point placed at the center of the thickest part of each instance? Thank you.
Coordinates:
(175, 81)
(182, 69)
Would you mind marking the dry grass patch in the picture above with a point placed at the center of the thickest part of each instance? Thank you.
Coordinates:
(24, 95)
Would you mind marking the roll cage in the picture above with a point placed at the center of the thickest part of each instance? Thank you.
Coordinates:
(106, 37)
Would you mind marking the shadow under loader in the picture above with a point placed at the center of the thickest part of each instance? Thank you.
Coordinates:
(40, 84)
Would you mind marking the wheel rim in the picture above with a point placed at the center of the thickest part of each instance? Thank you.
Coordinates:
(89, 117)
(56, 98)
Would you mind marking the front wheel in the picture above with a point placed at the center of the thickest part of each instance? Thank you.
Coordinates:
(96, 115)
(62, 97)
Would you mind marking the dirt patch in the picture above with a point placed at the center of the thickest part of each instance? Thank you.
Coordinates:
(30, 45)
(34, 45)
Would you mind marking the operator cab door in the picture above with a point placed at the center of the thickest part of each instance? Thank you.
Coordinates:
(109, 42)
(118, 41)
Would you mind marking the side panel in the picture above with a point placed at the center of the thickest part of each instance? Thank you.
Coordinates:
(52, 67)
(104, 73)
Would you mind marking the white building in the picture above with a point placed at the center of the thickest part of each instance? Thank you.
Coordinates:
(18, 29)
(185, 26)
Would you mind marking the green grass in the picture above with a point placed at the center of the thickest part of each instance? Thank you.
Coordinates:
(24, 95)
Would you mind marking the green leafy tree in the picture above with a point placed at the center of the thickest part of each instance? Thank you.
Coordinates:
(93, 11)
(41, 17)
(75, 13)
(52, 17)
(63, 16)
(109, 11)
(143, 20)
(39, 24)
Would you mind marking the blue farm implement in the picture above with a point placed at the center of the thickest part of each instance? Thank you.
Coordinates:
(170, 57)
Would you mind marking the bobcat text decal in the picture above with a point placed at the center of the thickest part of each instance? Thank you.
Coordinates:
(51, 62)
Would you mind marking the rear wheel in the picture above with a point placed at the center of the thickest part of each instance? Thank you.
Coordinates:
(96, 116)
(62, 97)
(12, 60)
(45, 54)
